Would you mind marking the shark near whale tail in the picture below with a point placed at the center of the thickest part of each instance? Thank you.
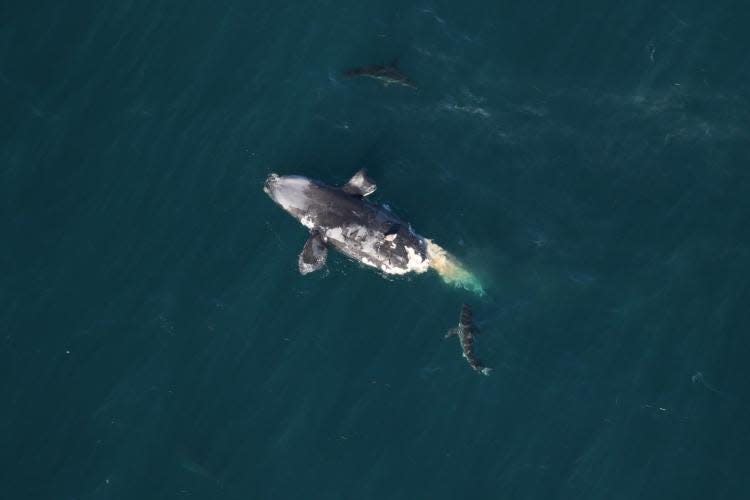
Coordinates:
(451, 270)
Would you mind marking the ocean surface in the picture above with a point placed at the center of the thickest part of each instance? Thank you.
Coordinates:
(589, 161)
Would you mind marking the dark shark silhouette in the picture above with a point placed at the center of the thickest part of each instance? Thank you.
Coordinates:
(388, 74)
(465, 331)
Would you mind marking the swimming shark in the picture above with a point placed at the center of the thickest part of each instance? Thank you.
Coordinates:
(465, 332)
(344, 219)
(386, 74)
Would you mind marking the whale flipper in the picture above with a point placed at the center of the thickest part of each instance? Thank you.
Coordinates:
(313, 255)
(360, 185)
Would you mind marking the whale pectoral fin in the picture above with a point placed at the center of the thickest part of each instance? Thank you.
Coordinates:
(451, 333)
(360, 184)
(313, 255)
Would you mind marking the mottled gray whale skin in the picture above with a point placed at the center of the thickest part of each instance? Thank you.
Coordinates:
(341, 218)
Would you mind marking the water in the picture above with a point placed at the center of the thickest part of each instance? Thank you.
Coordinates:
(588, 162)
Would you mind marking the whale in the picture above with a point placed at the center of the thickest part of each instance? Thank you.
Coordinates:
(344, 219)
(388, 74)
(465, 332)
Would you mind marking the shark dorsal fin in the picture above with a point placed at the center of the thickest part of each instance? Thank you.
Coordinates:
(360, 184)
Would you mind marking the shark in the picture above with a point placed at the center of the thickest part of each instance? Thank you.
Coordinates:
(388, 74)
(465, 332)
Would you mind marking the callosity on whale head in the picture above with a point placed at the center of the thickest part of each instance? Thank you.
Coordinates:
(303, 198)
(291, 192)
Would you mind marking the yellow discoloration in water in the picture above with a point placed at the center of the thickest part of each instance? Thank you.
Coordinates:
(451, 270)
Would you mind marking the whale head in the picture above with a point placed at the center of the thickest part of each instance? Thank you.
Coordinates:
(291, 192)
(295, 194)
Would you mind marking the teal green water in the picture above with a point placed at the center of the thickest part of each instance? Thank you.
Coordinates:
(588, 161)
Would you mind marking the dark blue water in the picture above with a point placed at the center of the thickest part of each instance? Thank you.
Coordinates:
(588, 160)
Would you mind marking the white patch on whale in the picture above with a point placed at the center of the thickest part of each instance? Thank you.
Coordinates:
(416, 263)
(368, 262)
(308, 221)
(368, 243)
(335, 234)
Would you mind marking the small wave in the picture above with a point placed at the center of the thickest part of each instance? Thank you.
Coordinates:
(473, 110)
